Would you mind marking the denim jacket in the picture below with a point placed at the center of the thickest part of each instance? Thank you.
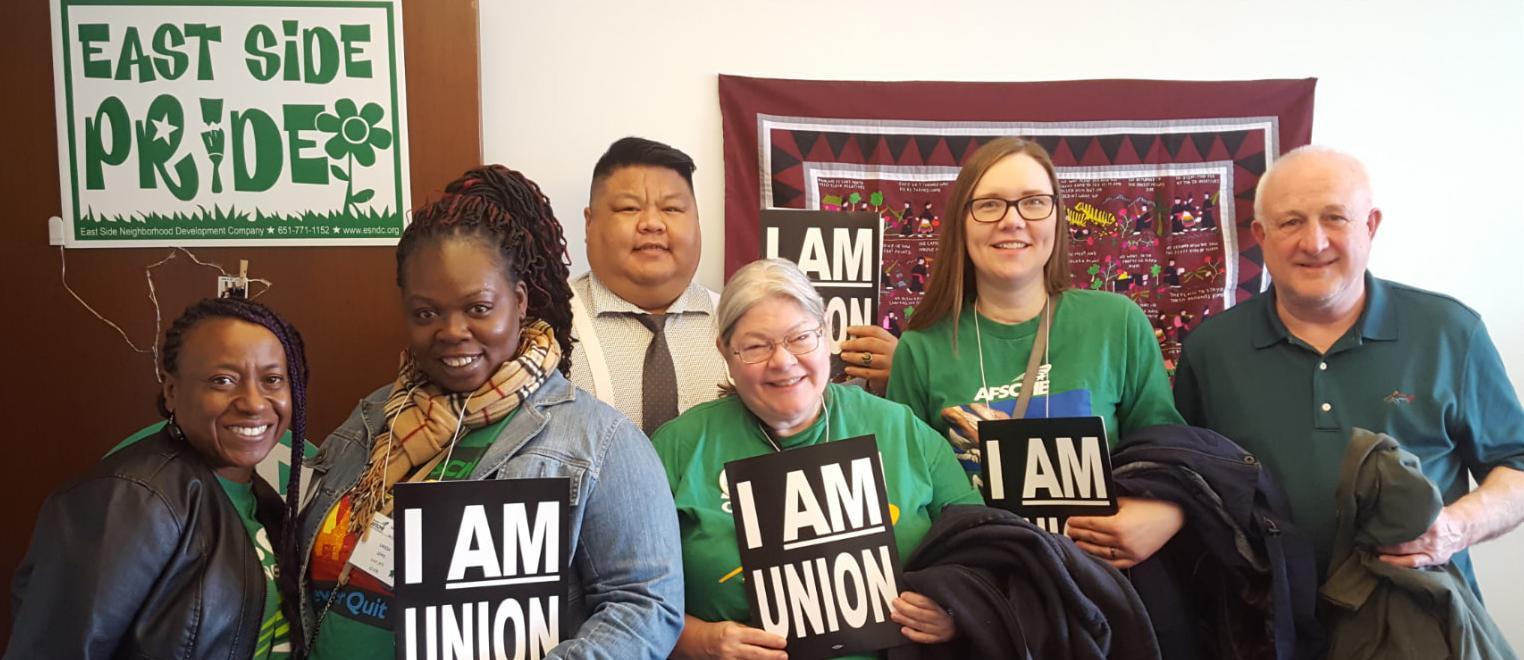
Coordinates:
(626, 593)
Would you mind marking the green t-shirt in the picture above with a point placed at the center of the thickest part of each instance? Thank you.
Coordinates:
(921, 476)
(274, 641)
(356, 625)
(1103, 361)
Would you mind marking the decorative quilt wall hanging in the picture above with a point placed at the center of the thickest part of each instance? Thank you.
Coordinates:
(1157, 177)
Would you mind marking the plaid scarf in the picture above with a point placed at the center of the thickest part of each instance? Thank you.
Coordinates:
(424, 418)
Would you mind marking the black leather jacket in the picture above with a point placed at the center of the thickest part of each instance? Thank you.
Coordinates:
(144, 557)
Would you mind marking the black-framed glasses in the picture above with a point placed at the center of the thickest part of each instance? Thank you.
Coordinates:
(1031, 207)
(799, 343)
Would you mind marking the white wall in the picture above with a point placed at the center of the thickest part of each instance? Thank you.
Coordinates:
(1431, 94)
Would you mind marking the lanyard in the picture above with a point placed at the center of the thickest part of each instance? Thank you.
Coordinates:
(391, 428)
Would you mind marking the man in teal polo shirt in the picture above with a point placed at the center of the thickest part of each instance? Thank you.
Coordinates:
(1290, 373)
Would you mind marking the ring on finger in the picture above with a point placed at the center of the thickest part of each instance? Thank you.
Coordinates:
(867, 359)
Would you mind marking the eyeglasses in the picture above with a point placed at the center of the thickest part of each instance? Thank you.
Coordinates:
(802, 343)
(1031, 207)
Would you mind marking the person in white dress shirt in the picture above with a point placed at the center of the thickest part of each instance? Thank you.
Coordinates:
(643, 245)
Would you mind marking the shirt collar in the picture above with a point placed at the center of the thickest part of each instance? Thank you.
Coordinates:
(603, 300)
(1270, 330)
(1377, 322)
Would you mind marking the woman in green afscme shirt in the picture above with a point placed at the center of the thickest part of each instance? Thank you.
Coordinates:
(772, 329)
(1002, 267)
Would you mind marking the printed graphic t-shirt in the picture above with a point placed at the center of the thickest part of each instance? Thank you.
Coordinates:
(274, 642)
(357, 624)
(921, 476)
(1102, 361)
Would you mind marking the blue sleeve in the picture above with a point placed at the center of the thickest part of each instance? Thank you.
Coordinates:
(629, 555)
(1489, 428)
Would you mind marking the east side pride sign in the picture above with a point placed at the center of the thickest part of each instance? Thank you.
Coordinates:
(235, 122)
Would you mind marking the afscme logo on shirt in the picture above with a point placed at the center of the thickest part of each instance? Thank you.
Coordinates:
(1013, 389)
(998, 392)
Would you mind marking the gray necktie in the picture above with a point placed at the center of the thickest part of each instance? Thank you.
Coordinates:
(659, 402)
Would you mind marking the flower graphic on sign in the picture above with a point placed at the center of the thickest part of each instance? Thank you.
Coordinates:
(356, 137)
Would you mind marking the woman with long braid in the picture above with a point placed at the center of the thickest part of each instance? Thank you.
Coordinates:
(482, 394)
(168, 548)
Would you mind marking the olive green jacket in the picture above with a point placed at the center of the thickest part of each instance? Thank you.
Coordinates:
(1377, 610)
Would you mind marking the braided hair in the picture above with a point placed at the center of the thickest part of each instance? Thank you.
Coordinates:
(288, 551)
(507, 212)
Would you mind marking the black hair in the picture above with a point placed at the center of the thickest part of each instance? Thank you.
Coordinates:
(629, 151)
(288, 550)
(508, 213)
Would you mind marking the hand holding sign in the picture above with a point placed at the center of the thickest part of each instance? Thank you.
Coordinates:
(727, 640)
(868, 353)
(842, 254)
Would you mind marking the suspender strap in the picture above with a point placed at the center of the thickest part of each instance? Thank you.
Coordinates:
(582, 324)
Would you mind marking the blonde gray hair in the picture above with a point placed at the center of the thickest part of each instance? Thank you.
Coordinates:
(760, 280)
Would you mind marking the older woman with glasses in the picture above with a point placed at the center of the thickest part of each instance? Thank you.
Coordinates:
(771, 329)
(1001, 284)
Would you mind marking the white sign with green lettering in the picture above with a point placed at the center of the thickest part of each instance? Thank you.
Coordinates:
(236, 122)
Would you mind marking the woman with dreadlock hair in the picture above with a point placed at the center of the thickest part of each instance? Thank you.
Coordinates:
(482, 393)
(174, 547)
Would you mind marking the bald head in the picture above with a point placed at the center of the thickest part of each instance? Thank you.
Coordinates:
(1312, 161)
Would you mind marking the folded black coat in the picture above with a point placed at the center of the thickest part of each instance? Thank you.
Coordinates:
(1238, 580)
(1018, 592)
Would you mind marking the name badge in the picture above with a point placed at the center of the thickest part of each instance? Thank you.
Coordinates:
(373, 554)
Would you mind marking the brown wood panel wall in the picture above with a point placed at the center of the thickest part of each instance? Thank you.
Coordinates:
(72, 388)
